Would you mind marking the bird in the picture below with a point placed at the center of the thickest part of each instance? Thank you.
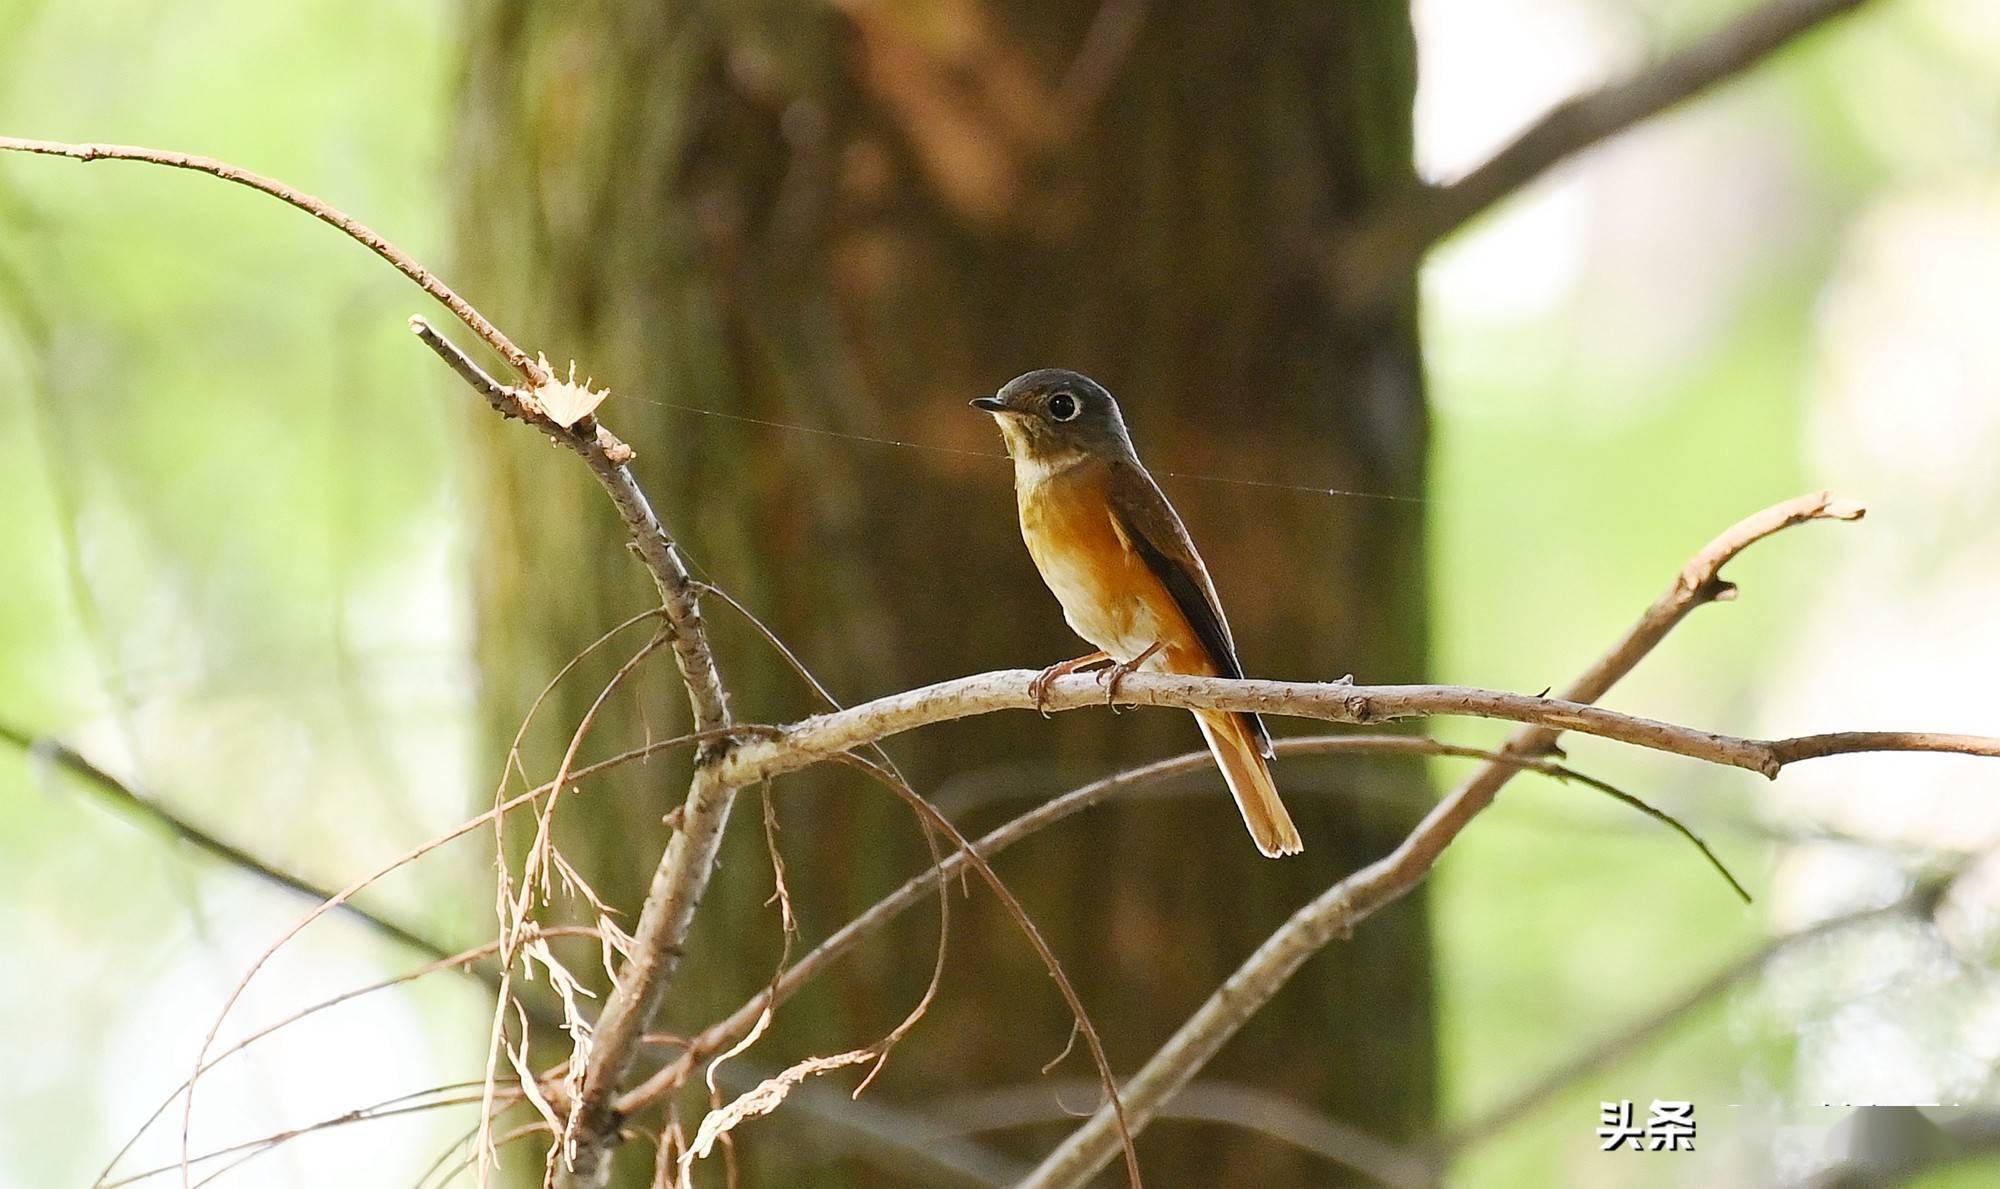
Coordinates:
(1116, 556)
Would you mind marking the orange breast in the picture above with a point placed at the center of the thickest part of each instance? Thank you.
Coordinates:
(1108, 595)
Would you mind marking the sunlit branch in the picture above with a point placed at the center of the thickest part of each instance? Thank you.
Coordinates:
(1385, 249)
(1335, 912)
(718, 1036)
(530, 369)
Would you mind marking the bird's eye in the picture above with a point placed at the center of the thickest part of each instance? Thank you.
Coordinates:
(1063, 407)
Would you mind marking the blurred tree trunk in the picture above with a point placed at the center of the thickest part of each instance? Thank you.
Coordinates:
(855, 217)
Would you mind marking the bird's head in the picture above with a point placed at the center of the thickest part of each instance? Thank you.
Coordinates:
(1051, 417)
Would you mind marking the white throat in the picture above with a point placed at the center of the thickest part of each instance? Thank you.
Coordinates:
(1032, 472)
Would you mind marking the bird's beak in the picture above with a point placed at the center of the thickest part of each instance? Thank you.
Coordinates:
(991, 404)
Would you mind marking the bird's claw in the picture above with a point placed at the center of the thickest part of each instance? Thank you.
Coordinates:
(1111, 677)
(1038, 688)
(1116, 674)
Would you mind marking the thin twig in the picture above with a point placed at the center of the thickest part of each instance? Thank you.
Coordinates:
(689, 858)
(465, 961)
(1231, 1104)
(343, 896)
(1335, 912)
(124, 796)
(530, 368)
(913, 890)
(1385, 249)
(1026, 925)
(386, 1109)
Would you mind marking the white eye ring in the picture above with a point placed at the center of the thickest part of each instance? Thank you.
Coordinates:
(1064, 406)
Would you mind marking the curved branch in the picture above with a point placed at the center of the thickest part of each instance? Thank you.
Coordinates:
(738, 1024)
(530, 368)
(1231, 1104)
(1335, 912)
(1386, 249)
(822, 737)
(689, 859)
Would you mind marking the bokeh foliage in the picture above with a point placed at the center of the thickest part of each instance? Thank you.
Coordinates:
(233, 538)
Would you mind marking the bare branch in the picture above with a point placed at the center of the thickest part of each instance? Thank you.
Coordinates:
(1385, 250)
(689, 859)
(1026, 925)
(1335, 912)
(823, 737)
(123, 795)
(1232, 1104)
(721, 1034)
(530, 369)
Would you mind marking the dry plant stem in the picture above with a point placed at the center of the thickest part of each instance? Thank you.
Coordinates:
(1113, 1103)
(725, 1032)
(1335, 912)
(347, 893)
(689, 858)
(385, 1109)
(530, 369)
(1389, 245)
(516, 925)
(464, 961)
(467, 961)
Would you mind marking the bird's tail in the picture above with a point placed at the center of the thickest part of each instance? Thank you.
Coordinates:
(1241, 759)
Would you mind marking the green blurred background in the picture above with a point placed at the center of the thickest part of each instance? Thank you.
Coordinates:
(234, 533)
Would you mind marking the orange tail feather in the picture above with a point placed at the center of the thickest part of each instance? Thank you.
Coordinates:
(1249, 779)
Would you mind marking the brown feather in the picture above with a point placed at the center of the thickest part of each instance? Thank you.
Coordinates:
(1122, 565)
(1154, 530)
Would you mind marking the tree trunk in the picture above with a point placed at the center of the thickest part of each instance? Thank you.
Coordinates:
(853, 218)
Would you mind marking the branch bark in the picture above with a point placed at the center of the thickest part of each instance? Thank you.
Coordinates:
(822, 737)
(1368, 261)
(720, 1035)
(689, 858)
(1335, 912)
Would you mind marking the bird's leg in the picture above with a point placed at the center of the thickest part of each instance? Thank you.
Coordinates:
(1118, 671)
(1039, 687)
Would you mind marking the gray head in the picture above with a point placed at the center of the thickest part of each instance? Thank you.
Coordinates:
(1050, 416)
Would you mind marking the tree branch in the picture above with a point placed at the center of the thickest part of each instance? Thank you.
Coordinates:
(1386, 248)
(689, 858)
(531, 369)
(738, 1024)
(884, 1132)
(1335, 912)
(690, 855)
(124, 796)
(1231, 1104)
(822, 737)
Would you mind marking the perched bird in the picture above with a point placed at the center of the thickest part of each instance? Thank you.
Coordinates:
(1121, 564)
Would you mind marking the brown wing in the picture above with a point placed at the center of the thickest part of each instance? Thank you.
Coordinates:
(1154, 529)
